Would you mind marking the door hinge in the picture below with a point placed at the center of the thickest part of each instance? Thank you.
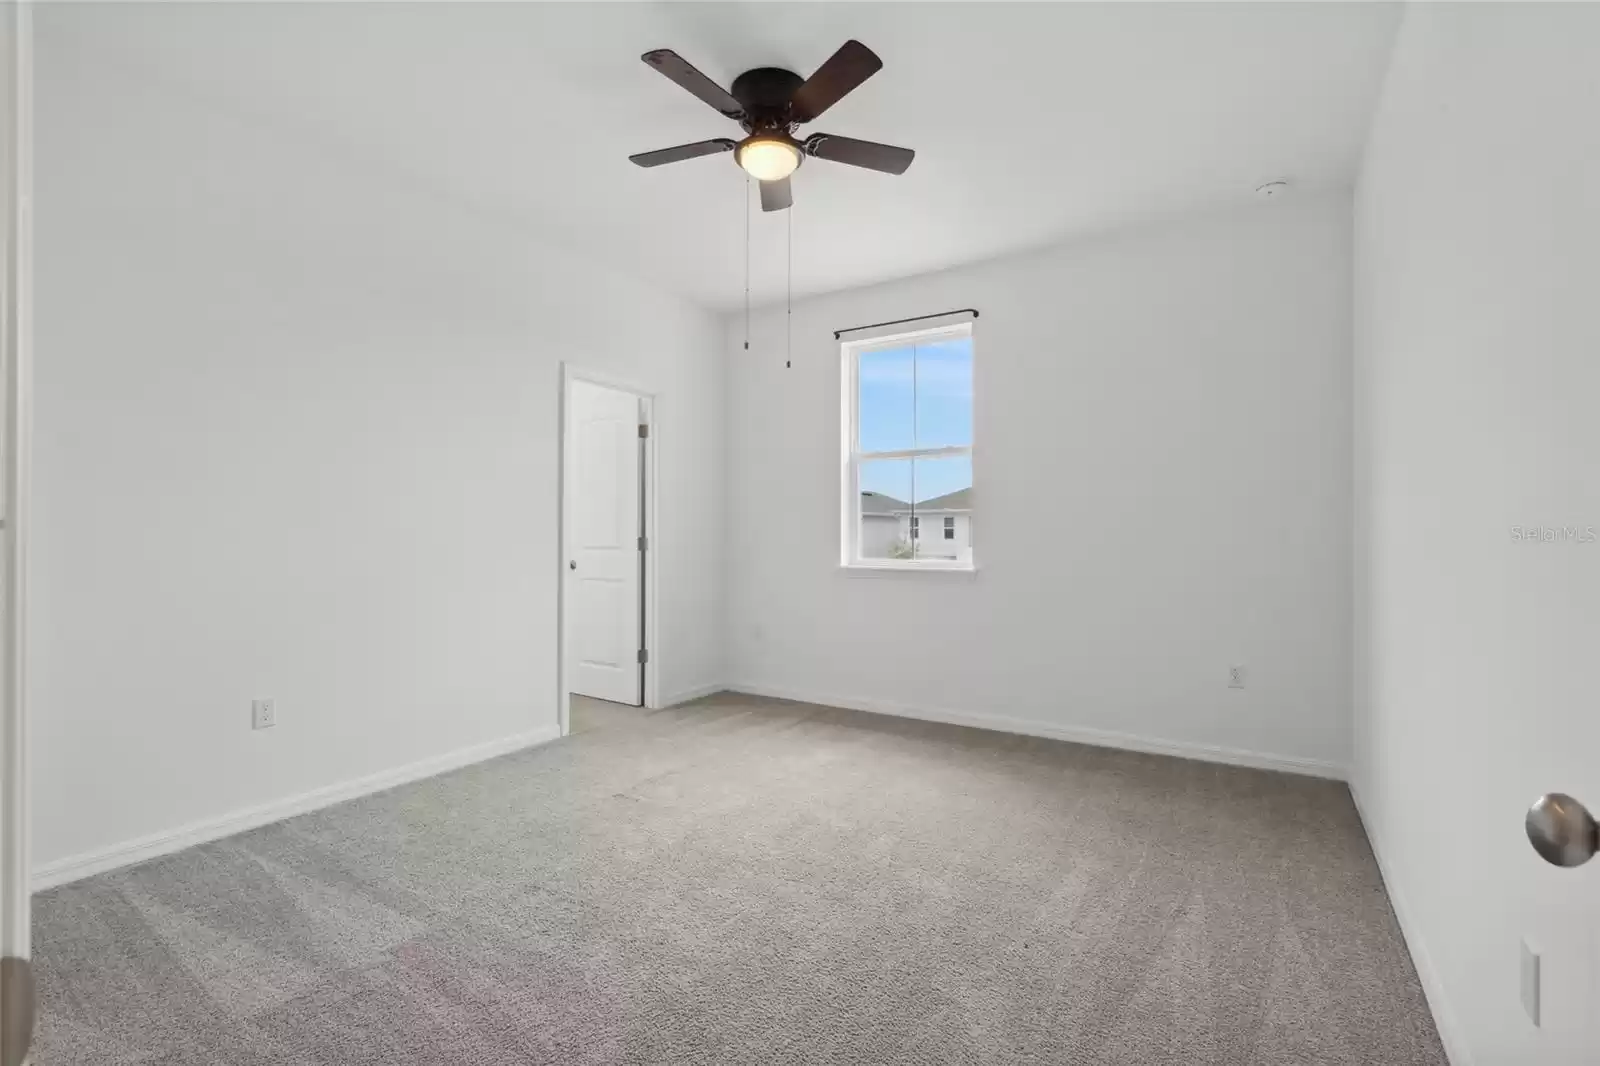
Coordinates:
(644, 430)
(644, 544)
(644, 656)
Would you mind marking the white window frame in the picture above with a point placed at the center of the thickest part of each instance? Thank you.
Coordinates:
(850, 353)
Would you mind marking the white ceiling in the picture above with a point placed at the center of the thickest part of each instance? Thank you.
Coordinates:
(1031, 122)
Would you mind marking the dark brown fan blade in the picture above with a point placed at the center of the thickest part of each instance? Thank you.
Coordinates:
(847, 68)
(870, 154)
(682, 152)
(776, 195)
(679, 70)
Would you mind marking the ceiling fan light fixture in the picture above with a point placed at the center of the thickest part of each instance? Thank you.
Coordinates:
(769, 158)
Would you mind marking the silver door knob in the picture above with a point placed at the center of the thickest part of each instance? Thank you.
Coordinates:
(1562, 830)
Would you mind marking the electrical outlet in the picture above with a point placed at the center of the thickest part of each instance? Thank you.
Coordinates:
(263, 714)
(1236, 677)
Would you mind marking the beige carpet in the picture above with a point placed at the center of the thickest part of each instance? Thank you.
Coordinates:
(587, 714)
(750, 881)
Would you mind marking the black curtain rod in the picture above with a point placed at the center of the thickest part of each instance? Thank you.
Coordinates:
(973, 311)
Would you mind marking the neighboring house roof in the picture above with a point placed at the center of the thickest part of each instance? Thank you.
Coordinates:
(959, 500)
(878, 503)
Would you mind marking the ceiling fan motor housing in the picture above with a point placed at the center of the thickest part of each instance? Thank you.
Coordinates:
(765, 93)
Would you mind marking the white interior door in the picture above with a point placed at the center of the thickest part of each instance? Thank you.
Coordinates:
(604, 529)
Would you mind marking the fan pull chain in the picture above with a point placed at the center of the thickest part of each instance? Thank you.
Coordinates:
(747, 262)
(788, 294)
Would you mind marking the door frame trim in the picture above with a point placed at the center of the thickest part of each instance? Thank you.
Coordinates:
(16, 308)
(16, 394)
(572, 372)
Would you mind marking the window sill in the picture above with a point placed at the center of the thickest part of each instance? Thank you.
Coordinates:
(906, 568)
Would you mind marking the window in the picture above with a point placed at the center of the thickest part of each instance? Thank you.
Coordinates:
(907, 449)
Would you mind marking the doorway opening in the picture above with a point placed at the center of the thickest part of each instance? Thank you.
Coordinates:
(608, 565)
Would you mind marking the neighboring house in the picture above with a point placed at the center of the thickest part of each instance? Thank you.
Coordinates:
(880, 526)
(940, 528)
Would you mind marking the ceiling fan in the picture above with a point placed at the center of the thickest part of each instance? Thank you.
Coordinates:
(769, 103)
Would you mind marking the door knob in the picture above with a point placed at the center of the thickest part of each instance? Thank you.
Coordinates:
(572, 564)
(1562, 830)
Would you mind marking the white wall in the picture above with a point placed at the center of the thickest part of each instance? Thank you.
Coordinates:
(296, 437)
(1173, 404)
(1478, 373)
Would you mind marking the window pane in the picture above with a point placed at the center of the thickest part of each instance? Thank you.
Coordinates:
(944, 393)
(942, 493)
(887, 404)
(885, 509)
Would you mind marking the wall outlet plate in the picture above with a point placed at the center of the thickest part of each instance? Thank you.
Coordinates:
(263, 714)
(1236, 677)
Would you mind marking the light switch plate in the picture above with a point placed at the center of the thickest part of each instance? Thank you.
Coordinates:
(1530, 982)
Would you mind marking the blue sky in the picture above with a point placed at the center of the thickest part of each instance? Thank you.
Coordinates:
(916, 397)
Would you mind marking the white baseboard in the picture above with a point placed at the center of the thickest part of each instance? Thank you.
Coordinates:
(1101, 738)
(693, 693)
(76, 867)
(1444, 1019)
